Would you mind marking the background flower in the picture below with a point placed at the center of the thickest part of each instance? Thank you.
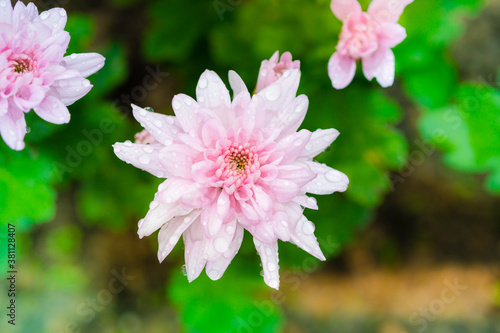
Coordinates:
(34, 74)
(369, 37)
(232, 166)
(272, 69)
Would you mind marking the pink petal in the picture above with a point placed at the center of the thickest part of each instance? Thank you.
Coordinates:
(291, 117)
(71, 90)
(282, 92)
(298, 172)
(171, 231)
(13, 128)
(177, 160)
(215, 269)
(211, 91)
(30, 96)
(293, 145)
(269, 256)
(194, 253)
(142, 156)
(158, 214)
(236, 83)
(85, 63)
(284, 190)
(387, 10)
(380, 65)
(53, 110)
(6, 11)
(162, 127)
(320, 140)
(189, 114)
(302, 231)
(54, 18)
(341, 70)
(343, 8)
(390, 34)
(327, 181)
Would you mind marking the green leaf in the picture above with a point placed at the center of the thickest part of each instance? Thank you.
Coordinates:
(237, 302)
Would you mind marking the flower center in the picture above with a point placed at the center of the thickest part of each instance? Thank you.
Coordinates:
(23, 65)
(239, 161)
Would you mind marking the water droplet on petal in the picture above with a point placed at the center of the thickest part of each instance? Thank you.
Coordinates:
(62, 12)
(173, 240)
(263, 72)
(299, 108)
(85, 83)
(333, 176)
(28, 129)
(203, 83)
(286, 73)
(144, 159)
(230, 229)
(273, 92)
(148, 149)
(261, 273)
(43, 16)
(73, 56)
(184, 270)
(308, 227)
(271, 266)
(176, 104)
(128, 143)
(269, 252)
(157, 123)
(221, 245)
(273, 284)
(154, 204)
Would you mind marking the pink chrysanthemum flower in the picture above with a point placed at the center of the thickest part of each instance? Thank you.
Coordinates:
(34, 74)
(230, 166)
(272, 69)
(367, 36)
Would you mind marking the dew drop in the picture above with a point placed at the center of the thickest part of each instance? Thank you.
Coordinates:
(286, 73)
(43, 16)
(221, 245)
(62, 12)
(28, 129)
(128, 143)
(85, 83)
(144, 159)
(273, 92)
(308, 227)
(149, 109)
(203, 83)
(184, 270)
(230, 229)
(153, 204)
(298, 143)
(148, 149)
(299, 108)
(263, 72)
(176, 104)
(333, 176)
(4, 3)
(157, 123)
(273, 284)
(261, 273)
(327, 138)
(269, 252)
(73, 56)
(271, 266)
(173, 240)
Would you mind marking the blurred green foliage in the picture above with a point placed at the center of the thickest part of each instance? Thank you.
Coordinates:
(462, 119)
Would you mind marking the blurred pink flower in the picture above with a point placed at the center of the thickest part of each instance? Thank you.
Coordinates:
(230, 166)
(143, 137)
(271, 70)
(34, 74)
(367, 36)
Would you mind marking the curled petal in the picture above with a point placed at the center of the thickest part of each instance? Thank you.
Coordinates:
(162, 127)
(387, 10)
(268, 253)
(390, 34)
(85, 63)
(320, 140)
(171, 231)
(341, 70)
(343, 8)
(327, 181)
(380, 65)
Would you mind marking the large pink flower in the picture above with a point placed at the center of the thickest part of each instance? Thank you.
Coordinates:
(367, 36)
(230, 166)
(34, 74)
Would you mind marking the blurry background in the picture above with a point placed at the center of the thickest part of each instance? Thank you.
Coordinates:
(413, 244)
